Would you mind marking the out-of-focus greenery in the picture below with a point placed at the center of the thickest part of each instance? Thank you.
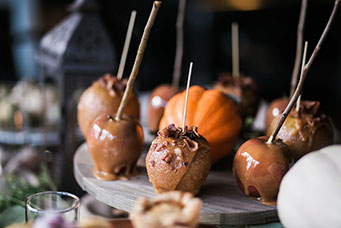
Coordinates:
(11, 215)
(247, 132)
(15, 189)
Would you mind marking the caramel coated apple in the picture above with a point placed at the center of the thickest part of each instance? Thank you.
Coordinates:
(178, 160)
(103, 97)
(259, 168)
(245, 89)
(157, 103)
(115, 146)
(306, 130)
(276, 108)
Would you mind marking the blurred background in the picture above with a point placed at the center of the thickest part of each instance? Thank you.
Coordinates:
(51, 51)
(267, 41)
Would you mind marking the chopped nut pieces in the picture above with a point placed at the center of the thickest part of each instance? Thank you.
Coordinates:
(113, 84)
(176, 157)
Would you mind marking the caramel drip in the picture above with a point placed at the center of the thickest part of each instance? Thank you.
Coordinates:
(129, 171)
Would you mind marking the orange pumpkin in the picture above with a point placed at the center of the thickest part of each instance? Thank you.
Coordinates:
(212, 112)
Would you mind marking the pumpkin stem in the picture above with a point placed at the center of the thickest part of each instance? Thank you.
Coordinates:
(235, 50)
(299, 43)
(304, 72)
(303, 63)
(138, 59)
(179, 44)
(126, 44)
(186, 99)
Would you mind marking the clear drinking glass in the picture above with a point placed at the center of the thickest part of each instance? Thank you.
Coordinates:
(51, 202)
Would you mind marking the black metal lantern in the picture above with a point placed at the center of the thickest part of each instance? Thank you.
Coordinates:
(74, 53)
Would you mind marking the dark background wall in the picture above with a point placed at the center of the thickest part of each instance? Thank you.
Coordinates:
(267, 44)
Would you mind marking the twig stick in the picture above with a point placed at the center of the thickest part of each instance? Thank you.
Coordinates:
(302, 66)
(186, 99)
(299, 42)
(138, 59)
(235, 50)
(179, 44)
(306, 68)
(298, 103)
(126, 44)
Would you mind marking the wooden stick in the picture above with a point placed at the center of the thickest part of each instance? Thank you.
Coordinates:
(126, 44)
(186, 99)
(302, 66)
(299, 42)
(138, 59)
(306, 68)
(179, 44)
(235, 50)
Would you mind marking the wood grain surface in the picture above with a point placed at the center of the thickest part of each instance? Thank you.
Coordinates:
(223, 202)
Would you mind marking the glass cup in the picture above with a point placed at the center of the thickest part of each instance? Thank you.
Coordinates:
(51, 202)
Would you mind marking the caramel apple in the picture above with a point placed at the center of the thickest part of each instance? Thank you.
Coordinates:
(275, 109)
(305, 130)
(104, 97)
(115, 146)
(178, 160)
(244, 89)
(259, 167)
(157, 103)
(173, 209)
(260, 163)
(115, 143)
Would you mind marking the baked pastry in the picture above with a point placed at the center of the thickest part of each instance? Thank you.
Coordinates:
(103, 97)
(178, 160)
(172, 209)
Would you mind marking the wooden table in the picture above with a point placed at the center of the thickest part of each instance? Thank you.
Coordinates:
(223, 202)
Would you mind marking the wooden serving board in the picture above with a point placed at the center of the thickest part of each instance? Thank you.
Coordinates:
(223, 202)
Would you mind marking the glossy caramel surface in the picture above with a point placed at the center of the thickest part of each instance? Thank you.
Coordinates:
(259, 168)
(103, 97)
(276, 108)
(157, 103)
(114, 147)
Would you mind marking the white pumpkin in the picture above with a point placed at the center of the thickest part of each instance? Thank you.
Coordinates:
(310, 192)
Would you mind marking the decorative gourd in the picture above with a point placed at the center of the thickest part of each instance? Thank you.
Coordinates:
(309, 194)
(212, 112)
